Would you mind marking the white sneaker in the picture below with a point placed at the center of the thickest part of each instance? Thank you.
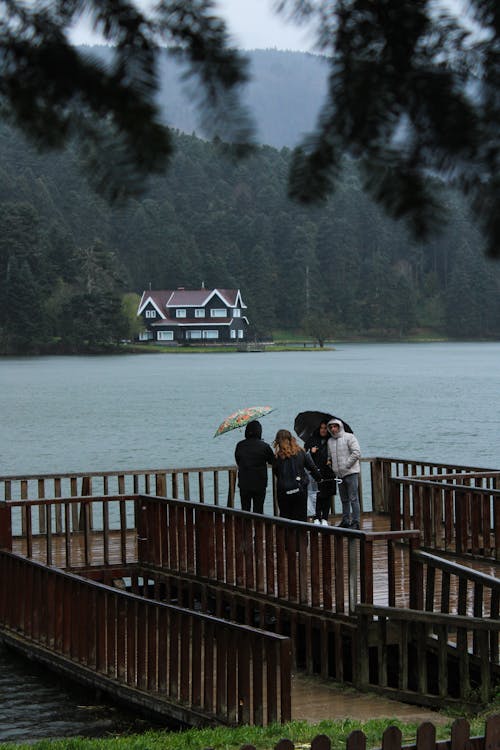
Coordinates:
(317, 521)
(324, 522)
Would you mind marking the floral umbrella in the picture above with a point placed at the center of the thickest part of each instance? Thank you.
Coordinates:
(242, 417)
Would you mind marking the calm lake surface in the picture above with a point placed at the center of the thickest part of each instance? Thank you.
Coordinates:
(438, 402)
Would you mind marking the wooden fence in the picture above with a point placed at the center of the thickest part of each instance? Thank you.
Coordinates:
(210, 484)
(319, 567)
(459, 518)
(392, 739)
(326, 568)
(382, 470)
(172, 661)
(454, 618)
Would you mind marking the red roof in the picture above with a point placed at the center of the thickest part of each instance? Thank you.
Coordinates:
(164, 299)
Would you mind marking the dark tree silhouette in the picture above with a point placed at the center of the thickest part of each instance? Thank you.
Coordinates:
(412, 93)
(54, 92)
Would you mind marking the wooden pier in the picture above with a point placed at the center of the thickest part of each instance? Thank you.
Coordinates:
(167, 597)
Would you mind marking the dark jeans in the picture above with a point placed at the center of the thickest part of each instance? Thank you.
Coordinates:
(293, 506)
(349, 495)
(323, 505)
(258, 498)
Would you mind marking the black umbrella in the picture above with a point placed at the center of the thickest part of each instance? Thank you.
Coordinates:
(307, 422)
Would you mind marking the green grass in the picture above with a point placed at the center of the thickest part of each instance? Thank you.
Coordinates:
(263, 738)
(279, 346)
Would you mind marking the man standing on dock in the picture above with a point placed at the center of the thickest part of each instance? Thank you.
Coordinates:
(252, 456)
(344, 454)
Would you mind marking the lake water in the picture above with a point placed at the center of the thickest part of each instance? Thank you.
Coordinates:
(438, 402)
(426, 401)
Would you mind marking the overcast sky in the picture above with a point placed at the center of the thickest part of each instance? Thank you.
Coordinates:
(252, 24)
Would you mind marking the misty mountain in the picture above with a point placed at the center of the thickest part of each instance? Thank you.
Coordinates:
(284, 95)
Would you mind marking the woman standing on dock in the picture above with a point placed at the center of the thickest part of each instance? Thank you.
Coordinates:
(290, 470)
(252, 455)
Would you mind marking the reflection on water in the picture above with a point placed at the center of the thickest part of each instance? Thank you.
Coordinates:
(36, 703)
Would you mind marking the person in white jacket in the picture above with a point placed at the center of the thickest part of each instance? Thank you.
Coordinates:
(344, 454)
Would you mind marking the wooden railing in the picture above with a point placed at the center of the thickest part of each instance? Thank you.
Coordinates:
(314, 566)
(445, 586)
(401, 661)
(392, 739)
(384, 469)
(200, 665)
(458, 518)
(311, 579)
(325, 568)
(210, 484)
(454, 615)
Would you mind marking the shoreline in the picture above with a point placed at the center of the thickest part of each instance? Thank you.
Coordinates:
(267, 347)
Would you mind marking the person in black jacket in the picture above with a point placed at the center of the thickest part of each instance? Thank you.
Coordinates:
(291, 477)
(252, 456)
(317, 445)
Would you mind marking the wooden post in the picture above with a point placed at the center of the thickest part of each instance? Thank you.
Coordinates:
(416, 577)
(377, 487)
(5, 527)
(353, 574)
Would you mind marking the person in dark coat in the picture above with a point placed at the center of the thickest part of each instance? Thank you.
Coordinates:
(291, 476)
(252, 456)
(317, 446)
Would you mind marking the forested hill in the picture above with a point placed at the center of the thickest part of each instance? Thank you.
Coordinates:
(66, 258)
(284, 94)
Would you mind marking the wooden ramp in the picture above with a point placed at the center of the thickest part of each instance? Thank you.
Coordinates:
(314, 700)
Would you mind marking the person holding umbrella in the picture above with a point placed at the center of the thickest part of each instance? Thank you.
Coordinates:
(252, 456)
(317, 445)
(344, 454)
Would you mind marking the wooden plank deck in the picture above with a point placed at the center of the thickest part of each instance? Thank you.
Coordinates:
(370, 522)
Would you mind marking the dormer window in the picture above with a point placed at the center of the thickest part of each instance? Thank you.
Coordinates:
(236, 312)
(218, 312)
(180, 312)
(150, 313)
(199, 312)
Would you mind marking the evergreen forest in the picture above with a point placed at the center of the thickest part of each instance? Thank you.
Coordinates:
(71, 265)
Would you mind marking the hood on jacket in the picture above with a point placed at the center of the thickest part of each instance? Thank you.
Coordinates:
(340, 424)
(253, 429)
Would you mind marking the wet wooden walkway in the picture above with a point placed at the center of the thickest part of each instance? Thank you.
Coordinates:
(313, 698)
(179, 589)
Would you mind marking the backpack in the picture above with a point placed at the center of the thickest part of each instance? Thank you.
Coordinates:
(294, 480)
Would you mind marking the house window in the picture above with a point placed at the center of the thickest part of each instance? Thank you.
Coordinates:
(232, 334)
(236, 312)
(193, 334)
(165, 335)
(218, 312)
(150, 313)
(240, 334)
(145, 335)
(199, 312)
(180, 312)
(210, 334)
